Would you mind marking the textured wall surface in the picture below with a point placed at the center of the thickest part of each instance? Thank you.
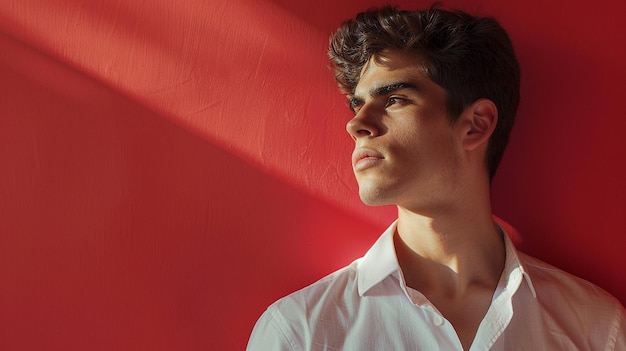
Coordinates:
(169, 168)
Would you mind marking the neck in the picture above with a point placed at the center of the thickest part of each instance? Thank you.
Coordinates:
(450, 251)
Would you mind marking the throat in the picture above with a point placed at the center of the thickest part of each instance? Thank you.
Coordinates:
(459, 283)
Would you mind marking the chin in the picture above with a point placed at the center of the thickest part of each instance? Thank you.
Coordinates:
(373, 198)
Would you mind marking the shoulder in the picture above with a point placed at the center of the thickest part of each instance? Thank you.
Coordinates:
(576, 305)
(289, 322)
(339, 287)
(555, 282)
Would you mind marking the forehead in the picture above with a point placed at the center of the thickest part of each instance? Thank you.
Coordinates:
(388, 67)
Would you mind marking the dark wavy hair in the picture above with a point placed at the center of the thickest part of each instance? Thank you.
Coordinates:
(470, 57)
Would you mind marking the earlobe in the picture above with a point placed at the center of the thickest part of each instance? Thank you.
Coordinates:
(481, 119)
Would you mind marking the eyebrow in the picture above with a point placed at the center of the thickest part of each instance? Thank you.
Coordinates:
(354, 101)
(386, 89)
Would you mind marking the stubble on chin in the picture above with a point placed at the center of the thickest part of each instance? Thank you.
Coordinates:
(372, 195)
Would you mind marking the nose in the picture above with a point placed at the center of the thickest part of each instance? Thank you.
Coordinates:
(363, 124)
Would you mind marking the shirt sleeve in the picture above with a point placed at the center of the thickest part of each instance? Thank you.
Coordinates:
(269, 333)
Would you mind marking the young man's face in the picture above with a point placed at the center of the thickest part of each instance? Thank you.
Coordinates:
(406, 151)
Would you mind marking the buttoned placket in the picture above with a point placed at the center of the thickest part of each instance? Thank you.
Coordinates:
(493, 324)
(436, 318)
(499, 314)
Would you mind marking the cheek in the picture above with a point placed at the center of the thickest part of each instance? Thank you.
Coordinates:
(431, 152)
(408, 136)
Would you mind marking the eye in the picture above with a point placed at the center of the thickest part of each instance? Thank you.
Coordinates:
(393, 100)
(355, 105)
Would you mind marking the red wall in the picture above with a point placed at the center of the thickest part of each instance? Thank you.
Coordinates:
(168, 169)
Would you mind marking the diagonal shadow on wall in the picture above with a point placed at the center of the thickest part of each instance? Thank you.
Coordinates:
(122, 230)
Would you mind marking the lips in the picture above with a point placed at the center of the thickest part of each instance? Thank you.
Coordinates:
(363, 158)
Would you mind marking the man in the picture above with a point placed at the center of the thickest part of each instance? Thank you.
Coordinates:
(434, 96)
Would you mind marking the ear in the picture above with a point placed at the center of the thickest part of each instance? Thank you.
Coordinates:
(478, 123)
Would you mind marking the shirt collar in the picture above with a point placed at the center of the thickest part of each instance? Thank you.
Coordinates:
(381, 261)
(514, 268)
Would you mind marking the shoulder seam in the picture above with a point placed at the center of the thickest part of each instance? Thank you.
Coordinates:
(272, 312)
(615, 330)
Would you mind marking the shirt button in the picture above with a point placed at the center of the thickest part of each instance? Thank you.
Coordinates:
(438, 321)
(515, 275)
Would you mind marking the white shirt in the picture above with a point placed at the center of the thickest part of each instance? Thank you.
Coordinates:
(367, 306)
